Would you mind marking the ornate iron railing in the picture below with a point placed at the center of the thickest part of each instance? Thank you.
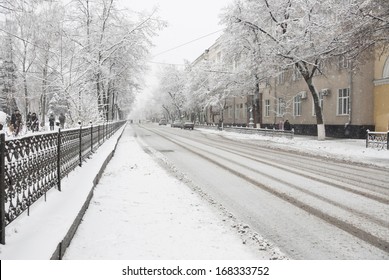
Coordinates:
(32, 165)
(377, 140)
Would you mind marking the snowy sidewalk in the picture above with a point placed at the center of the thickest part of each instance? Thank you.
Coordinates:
(139, 211)
(353, 151)
(37, 236)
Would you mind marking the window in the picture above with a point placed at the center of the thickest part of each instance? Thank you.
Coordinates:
(267, 82)
(229, 111)
(321, 102)
(244, 111)
(344, 101)
(281, 77)
(237, 109)
(343, 62)
(267, 107)
(234, 65)
(218, 57)
(296, 74)
(280, 107)
(297, 105)
(386, 69)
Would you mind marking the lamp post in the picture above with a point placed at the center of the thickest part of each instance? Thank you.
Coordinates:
(251, 120)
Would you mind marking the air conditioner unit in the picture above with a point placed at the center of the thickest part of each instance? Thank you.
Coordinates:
(325, 91)
(303, 94)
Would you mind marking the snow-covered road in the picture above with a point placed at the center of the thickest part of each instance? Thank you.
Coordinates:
(233, 196)
(139, 211)
(311, 207)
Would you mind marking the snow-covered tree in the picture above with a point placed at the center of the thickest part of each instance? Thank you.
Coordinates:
(114, 45)
(210, 84)
(196, 88)
(90, 54)
(8, 76)
(296, 33)
(171, 91)
(25, 19)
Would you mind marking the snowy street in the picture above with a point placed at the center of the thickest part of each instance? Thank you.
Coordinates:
(194, 139)
(234, 196)
(310, 207)
(141, 212)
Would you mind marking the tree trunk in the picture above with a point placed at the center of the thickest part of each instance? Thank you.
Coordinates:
(307, 75)
(44, 92)
(321, 133)
(167, 111)
(258, 106)
(113, 109)
(100, 97)
(26, 94)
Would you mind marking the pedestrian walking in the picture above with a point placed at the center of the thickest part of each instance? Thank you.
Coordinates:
(34, 123)
(287, 125)
(16, 122)
(51, 121)
(62, 119)
(28, 121)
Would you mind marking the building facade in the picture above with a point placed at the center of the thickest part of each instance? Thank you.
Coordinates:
(381, 91)
(345, 95)
(236, 107)
(353, 99)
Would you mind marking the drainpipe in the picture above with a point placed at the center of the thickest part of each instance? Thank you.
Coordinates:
(233, 111)
(351, 93)
(275, 103)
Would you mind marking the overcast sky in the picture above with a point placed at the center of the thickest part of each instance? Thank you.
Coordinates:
(186, 36)
(188, 20)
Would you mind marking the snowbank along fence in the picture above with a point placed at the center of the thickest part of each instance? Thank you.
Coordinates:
(255, 131)
(32, 165)
(378, 140)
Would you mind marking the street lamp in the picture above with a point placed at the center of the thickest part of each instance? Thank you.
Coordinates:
(251, 120)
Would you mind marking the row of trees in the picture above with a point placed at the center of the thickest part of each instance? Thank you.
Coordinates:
(85, 58)
(264, 38)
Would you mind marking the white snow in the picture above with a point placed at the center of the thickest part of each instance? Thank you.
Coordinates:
(3, 117)
(140, 211)
(349, 150)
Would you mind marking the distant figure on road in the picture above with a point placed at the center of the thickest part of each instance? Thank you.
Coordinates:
(62, 120)
(287, 125)
(51, 121)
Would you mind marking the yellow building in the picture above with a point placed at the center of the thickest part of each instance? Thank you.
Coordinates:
(381, 92)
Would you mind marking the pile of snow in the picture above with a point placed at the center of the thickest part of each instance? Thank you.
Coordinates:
(3, 117)
(349, 150)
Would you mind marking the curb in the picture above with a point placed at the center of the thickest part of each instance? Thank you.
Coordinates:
(64, 244)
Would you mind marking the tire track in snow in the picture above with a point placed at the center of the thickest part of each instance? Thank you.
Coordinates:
(366, 236)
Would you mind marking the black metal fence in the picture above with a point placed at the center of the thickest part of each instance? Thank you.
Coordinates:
(32, 165)
(378, 140)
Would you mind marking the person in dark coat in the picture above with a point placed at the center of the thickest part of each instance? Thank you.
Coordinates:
(16, 122)
(62, 120)
(34, 126)
(287, 125)
(51, 121)
(28, 120)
